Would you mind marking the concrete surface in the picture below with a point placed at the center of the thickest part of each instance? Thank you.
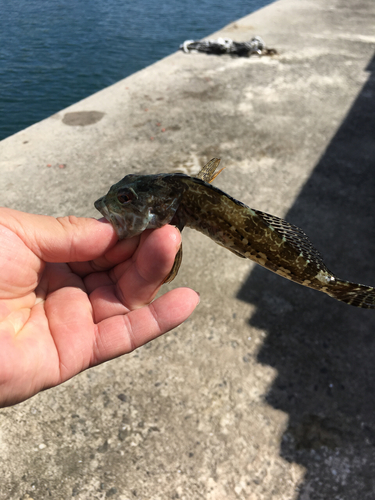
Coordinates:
(267, 392)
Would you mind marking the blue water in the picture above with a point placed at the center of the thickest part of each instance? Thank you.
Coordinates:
(55, 52)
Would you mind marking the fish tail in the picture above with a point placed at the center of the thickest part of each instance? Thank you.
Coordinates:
(353, 293)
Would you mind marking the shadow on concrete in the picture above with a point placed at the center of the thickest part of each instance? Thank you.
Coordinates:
(323, 350)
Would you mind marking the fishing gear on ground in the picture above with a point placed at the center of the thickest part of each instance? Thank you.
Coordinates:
(227, 46)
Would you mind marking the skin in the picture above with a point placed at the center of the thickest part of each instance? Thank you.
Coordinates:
(72, 296)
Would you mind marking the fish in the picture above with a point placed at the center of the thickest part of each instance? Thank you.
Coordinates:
(139, 202)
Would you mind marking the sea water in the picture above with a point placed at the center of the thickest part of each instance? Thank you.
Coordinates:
(54, 53)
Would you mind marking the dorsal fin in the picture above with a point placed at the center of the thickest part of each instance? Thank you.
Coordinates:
(207, 173)
(295, 237)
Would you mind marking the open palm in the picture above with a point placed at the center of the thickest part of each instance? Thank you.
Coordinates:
(72, 296)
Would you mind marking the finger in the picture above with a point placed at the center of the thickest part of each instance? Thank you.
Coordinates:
(65, 239)
(121, 252)
(106, 303)
(20, 269)
(122, 334)
(156, 256)
(138, 283)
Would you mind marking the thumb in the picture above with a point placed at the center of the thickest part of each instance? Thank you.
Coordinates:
(62, 239)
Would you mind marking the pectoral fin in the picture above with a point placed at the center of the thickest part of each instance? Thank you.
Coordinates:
(176, 266)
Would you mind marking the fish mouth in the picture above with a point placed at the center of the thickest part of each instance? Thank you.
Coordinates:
(102, 208)
(115, 219)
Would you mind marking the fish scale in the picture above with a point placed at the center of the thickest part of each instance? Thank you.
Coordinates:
(140, 202)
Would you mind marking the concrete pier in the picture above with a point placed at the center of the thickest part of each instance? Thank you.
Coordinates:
(267, 391)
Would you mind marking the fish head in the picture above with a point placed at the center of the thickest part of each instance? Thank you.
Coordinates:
(139, 202)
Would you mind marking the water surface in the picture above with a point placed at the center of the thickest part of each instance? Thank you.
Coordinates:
(55, 53)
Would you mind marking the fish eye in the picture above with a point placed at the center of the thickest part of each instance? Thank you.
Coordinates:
(125, 196)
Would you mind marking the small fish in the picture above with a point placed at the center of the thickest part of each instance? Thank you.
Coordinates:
(140, 202)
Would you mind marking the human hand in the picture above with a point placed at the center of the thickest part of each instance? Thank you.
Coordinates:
(72, 296)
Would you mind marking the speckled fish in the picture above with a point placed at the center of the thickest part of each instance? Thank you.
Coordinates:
(140, 202)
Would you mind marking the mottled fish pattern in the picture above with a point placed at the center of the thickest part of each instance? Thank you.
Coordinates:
(140, 202)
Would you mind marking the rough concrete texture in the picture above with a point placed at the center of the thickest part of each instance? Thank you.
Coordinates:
(267, 392)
